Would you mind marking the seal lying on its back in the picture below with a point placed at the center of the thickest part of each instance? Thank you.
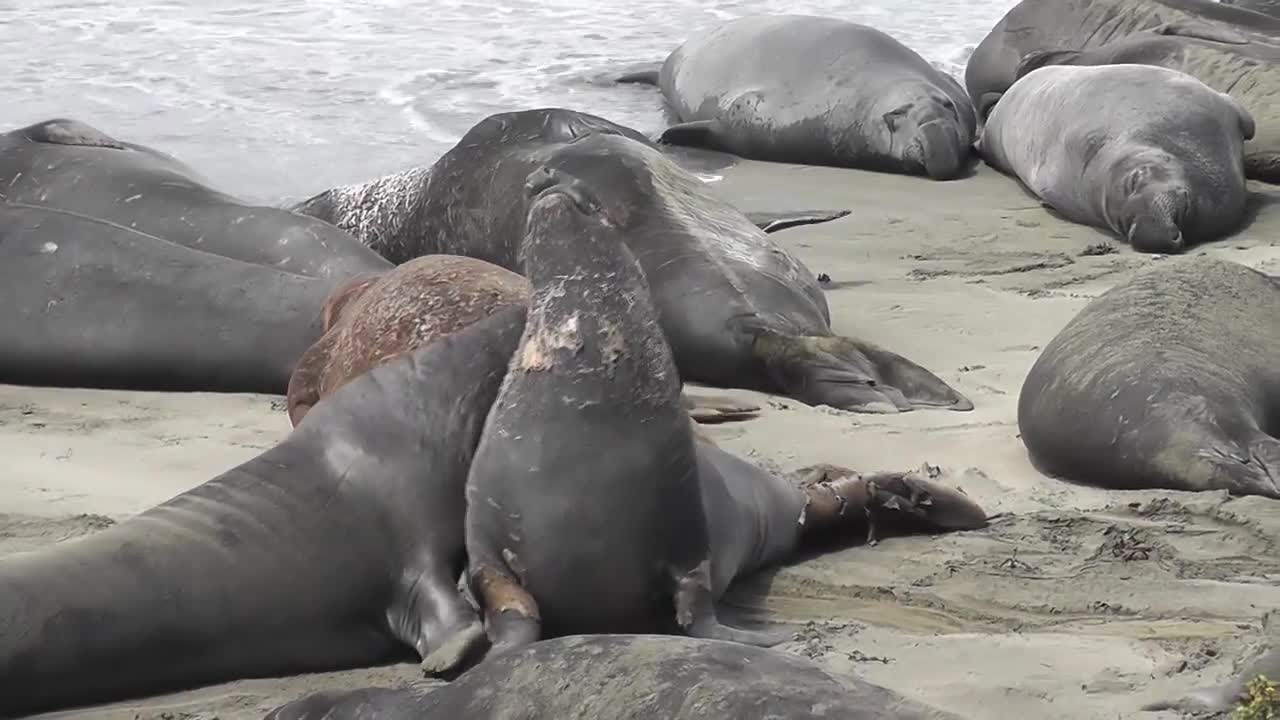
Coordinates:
(334, 549)
(1248, 72)
(1082, 24)
(1168, 380)
(817, 91)
(88, 303)
(589, 414)
(627, 677)
(737, 309)
(374, 317)
(1152, 154)
(71, 166)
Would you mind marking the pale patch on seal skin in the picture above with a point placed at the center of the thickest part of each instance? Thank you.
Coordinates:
(376, 212)
(540, 345)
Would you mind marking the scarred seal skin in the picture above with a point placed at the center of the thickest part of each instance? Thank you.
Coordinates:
(1168, 380)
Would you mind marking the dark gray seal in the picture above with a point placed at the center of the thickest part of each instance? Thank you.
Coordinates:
(340, 547)
(737, 309)
(1034, 25)
(818, 91)
(88, 303)
(627, 677)
(1247, 71)
(1266, 7)
(1151, 154)
(670, 524)
(1168, 380)
(68, 165)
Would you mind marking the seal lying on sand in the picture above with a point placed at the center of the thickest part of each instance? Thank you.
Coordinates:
(1152, 154)
(1249, 72)
(816, 91)
(374, 317)
(71, 166)
(334, 549)
(589, 414)
(1168, 380)
(626, 677)
(1033, 25)
(737, 309)
(88, 303)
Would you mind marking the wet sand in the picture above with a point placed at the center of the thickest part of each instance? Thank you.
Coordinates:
(1075, 603)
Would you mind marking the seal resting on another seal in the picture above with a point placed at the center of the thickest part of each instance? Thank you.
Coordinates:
(68, 165)
(589, 414)
(374, 317)
(818, 91)
(340, 547)
(89, 303)
(737, 309)
(1168, 380)
(627, 677)
(1152, 154)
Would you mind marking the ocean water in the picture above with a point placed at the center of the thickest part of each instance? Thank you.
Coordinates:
(274, 100)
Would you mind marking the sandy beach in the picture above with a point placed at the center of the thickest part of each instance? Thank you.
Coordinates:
(1076, 603)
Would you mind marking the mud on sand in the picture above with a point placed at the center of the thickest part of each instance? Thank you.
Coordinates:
(1075, 603)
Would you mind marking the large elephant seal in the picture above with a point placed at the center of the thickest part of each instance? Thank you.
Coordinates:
(1168, 380)
(737, 309)
(1151, 154)
(1034, 25)
(89, 303)
(68, 165)
(1249, 72)
(627, 677)
(672, 521)
(1266, 7)
(375, 317)
(818, 91)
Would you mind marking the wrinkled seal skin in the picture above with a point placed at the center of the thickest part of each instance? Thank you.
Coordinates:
(92, 304)
(668, 517)
(340, 547)
(737, 309)
(66, 164)
(1266, 7)
(1149, 153)
(627, 677)
(1248, 72)
(1168, 380)
(1034, 25)
(374, 317)
(818, 91)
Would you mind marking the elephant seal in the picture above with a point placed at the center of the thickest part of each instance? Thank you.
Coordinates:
(340, 547)
(737, 309)
(1033, 25)
(68, 165)
(89, 303)
(1168, 380)
(672, 520)
(374, 317)
(1266, 7)
(627, 677)
(1149, 153)
(817, 91)
(1248, 72)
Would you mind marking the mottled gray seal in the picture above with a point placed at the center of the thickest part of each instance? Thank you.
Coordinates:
(656, 525)
(1149, 153)
(627, 677)
(1247, 71)
(818, 91)
(69, 165)
(89, 303)
(737, 309)
(1168, 380)
(373, 317)
(341, 546)
(1033, 25)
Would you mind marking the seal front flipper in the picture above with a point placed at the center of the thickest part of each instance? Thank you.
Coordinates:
(510, 612)
(774, 221)
(696, 611)
(851, 374)
(64, 131)
(697, 133)
(431, 615)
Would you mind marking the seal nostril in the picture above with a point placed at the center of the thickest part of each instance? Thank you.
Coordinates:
(539, 180)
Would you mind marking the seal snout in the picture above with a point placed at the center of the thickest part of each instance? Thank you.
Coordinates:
(548, 186)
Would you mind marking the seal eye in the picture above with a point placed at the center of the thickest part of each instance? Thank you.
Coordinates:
(893, 117)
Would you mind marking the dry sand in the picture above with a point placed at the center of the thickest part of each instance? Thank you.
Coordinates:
(1077, 603)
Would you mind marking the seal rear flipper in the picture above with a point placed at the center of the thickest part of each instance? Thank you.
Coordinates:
(712, 409)
(697, 133)
(1200, 31)
(64, 131)
(774, 221)
(852, 375)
